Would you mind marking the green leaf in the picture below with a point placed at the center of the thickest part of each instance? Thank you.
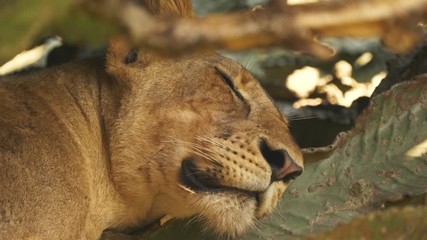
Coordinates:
(407, 223)
(383, 159)
(25, 21)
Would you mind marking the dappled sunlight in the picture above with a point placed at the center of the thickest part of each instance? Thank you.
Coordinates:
(364, 59)
(307, 102)
(339, 89)
(418, 150)
(35, 57)
(343, 70)
(299, 2)
(305, 80)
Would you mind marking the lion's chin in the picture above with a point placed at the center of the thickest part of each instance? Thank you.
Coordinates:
(227, 211)
(228, 214)
(231, 214)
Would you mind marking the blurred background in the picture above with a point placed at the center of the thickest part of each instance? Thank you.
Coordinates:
(320, 97)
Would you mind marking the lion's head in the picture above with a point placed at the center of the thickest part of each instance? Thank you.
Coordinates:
(198, 136)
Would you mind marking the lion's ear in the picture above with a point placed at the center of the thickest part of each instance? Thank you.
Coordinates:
(120, 55)
(123, 60)
(117, 52)
(169, 8)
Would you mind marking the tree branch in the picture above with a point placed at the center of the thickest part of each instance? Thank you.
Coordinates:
(277, 24)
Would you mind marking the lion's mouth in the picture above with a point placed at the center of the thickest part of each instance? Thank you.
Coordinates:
(198, 181)
(193, 178)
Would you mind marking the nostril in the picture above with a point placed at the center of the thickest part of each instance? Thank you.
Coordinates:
(275, 158)
(293, 174)
(283, 168)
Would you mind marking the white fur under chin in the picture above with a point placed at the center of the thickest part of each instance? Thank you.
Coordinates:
(228, 214)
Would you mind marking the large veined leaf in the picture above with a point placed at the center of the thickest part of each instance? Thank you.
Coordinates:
(406, 223)
(383, 159)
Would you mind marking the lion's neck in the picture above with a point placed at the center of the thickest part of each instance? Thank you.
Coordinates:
(123, 210)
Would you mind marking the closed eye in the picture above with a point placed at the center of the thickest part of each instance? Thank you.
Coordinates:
(226, 78)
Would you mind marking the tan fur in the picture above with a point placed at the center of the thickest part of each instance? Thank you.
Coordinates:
(83, 149)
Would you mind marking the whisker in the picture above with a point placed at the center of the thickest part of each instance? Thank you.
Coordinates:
(258, 225)
(186, 189)
(297, 118)
(192, 144)
(209, 155)
(151, 156)
(198, 149)
(216, 143)
(193, 220)
(206, 156)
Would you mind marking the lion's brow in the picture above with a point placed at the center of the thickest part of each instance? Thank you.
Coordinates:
(227, 79)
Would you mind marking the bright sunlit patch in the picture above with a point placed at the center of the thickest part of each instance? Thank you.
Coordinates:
(418, 150)
(305, 80)
(307, 102)
(298, 2)
(36, 57)
(360, 90)
(343, 69)
(376, 80)
(333, 94)
(364, 59)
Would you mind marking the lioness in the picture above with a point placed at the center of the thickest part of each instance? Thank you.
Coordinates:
(95, 145)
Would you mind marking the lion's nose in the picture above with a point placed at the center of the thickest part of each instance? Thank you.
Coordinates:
(283, 167)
